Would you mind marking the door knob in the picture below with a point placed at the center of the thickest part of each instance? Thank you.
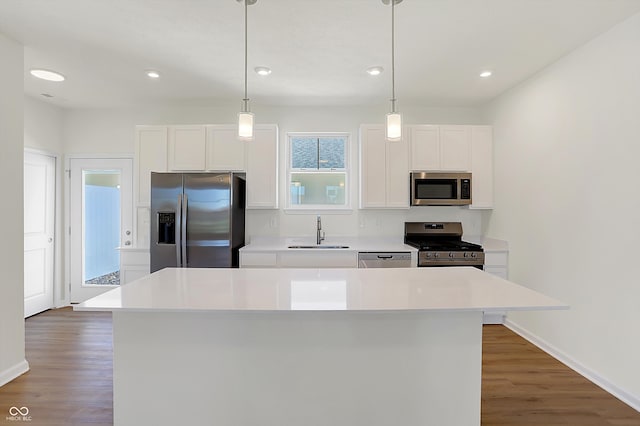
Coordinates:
(50, 240)
(127, 243)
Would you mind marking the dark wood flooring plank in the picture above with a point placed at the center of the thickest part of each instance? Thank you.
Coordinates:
(71, 374)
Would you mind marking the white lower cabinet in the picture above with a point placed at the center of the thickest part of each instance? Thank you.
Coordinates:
(326, 259)
(134, 264)
(299, 259)
(258, 260)
(496, 263)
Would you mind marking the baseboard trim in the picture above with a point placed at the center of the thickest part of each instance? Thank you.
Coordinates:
(11, 373)
(626, 397)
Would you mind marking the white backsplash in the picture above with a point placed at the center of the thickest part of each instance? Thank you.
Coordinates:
(375, 223)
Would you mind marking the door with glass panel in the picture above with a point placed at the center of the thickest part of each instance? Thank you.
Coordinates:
(101, 210)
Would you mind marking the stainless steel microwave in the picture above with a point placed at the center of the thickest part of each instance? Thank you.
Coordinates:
(440, 189)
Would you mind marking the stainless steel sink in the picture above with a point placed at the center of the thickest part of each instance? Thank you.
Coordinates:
(318, 247)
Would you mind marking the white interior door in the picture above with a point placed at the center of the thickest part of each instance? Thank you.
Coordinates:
(39, 225)
(101, 210)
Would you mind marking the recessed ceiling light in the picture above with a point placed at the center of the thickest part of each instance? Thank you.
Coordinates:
(485, 74)
(47, 75)
(262, 70)
(153, 74)
(375, 70)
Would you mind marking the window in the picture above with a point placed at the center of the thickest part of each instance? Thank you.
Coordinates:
(318, 171)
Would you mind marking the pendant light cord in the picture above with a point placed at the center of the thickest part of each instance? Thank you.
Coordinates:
(393, 58)
(246, 98)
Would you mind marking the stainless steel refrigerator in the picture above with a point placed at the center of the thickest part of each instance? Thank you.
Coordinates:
(197, 219)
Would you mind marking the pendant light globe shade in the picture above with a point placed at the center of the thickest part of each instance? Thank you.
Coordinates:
(394, 126)
(245, 126)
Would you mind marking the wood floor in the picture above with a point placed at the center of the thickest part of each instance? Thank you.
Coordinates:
(70, 381)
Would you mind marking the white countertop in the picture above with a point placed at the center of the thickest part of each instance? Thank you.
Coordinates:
(219, 289)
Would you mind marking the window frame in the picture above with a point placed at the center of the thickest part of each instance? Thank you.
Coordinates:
(290, 170)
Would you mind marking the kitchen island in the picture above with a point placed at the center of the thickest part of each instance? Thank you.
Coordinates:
(240, 347)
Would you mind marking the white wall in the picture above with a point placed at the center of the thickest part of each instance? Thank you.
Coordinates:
(112, 131)
(12, 355)
(567, 144)
(43, 126)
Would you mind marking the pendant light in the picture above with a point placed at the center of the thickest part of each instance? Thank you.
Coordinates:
(394, 119)
(245, 117)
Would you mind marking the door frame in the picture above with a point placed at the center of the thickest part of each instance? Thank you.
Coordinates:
(66, 285)
(60, 299)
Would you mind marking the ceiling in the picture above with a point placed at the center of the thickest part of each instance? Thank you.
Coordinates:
(318, 49)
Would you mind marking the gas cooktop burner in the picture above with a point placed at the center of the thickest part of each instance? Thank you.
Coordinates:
(440, 244)
(450, 245)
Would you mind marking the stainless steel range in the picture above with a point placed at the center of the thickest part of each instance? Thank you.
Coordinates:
(440, 244)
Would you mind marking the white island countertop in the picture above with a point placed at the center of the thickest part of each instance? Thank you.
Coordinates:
(386, 289)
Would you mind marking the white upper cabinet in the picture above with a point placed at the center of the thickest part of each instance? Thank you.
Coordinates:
(151, 156)
(262, 168)
(425, 147)
(224, 150)
(384, 170)
(455, 148)
(187, 145)
(440, 148)
(482, 167)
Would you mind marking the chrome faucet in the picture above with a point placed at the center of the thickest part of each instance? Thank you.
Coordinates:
(320, 232)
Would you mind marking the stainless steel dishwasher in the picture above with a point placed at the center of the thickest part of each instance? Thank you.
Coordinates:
(384, 259)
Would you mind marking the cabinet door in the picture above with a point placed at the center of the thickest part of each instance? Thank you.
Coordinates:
(187, 146)
(373, 177)
(151, 156)
(482, 167)
(224, 150)
(301, 259)
(397, 172)
(262, 168)
(455, 148)
(425, 147)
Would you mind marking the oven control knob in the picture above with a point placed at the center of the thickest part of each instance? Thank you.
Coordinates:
(474, 255)
(428, 255)
(466, 255)
(451, 254)
(436, 255)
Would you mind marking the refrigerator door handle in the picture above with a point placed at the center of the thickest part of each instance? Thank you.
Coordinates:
(179, 233)
(183, 237)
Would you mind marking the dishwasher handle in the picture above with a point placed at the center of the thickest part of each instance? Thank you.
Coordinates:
(384, 260)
